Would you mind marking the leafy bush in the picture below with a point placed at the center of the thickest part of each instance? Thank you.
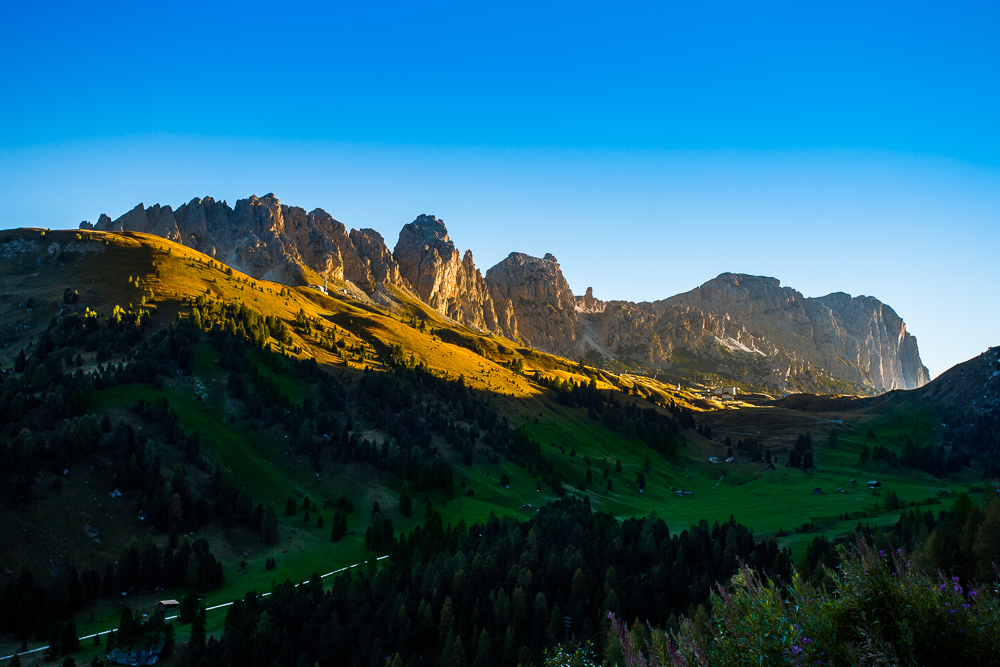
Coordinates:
(881, 610)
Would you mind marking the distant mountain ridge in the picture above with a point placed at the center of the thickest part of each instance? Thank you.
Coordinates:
(735, 328)
(760, 332)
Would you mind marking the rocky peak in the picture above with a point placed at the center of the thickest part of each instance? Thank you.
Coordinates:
(784, 336)
(431, 264)
(375, 256)
(263, 214)
(532, 294)
(266, 239)
(428, 260)
(871, 335)
(737, 292)
(588, 303)
(428, 229)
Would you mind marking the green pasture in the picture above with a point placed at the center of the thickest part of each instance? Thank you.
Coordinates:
(766, 500)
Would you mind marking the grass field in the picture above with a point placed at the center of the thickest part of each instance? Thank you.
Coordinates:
(767, 500)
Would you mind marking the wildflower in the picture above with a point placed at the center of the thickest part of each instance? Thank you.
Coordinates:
(796, 650)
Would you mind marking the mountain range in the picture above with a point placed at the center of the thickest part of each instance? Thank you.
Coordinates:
(735, 329)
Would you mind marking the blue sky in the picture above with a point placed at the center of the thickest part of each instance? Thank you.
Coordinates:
(837, 147)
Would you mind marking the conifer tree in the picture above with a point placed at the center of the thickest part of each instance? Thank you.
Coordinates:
(405, 500)
(70, 641)
(197, 641)
(269, 525)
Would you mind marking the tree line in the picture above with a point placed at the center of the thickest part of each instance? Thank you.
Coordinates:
(495, 593)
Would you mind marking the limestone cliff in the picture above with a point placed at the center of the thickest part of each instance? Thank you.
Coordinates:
(753, 330)
(453, 286)
(266, 239)
(534, 302)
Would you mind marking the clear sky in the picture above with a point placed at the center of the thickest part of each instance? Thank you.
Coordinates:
(650, 147)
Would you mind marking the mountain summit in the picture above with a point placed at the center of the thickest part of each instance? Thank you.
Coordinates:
(753, 329)
(734, 328)
(431, 265)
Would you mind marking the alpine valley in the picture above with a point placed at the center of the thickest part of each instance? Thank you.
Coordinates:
(251, 436)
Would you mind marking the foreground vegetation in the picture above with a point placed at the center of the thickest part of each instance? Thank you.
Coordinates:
(878, 610)
(494, 593)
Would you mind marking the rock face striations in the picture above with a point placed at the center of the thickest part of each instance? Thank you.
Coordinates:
(430, 264)
(736, 327)
(751, 329)
(534, 302)
(266, 239)
(871, 336)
